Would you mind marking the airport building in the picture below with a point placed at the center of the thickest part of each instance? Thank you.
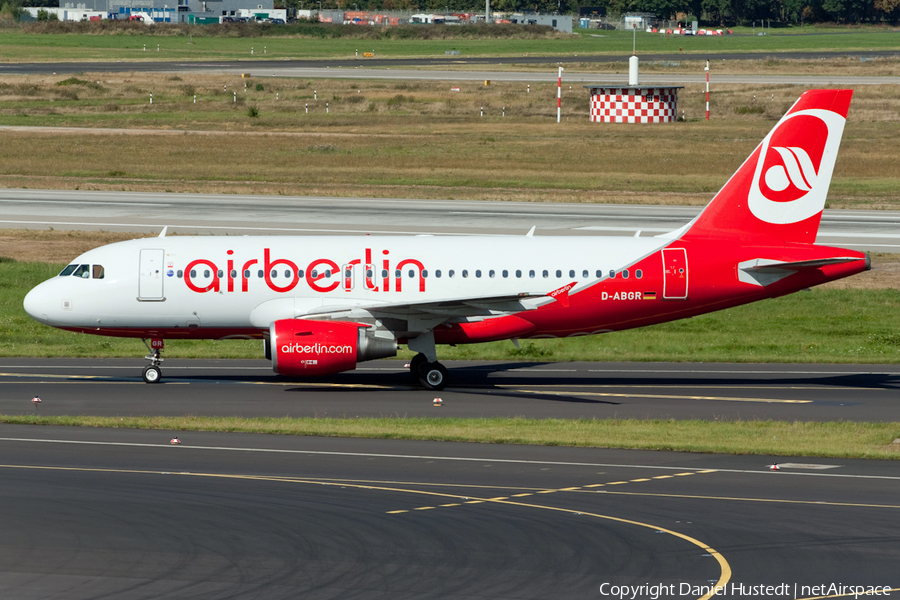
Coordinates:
(174, 11)
(203, 12)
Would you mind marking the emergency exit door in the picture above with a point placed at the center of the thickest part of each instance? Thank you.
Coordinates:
(150, 280)
(675, 274)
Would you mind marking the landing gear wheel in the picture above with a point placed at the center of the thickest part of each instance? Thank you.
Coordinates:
(152, 374)
(433, 376)
(416, 363)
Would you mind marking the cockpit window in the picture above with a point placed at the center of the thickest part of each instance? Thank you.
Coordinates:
(68, 270)
(98, 272)
(83, 271)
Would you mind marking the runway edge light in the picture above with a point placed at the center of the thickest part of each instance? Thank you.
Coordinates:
(438, 402)
(175, 441)
(36, 400)
(774, 467)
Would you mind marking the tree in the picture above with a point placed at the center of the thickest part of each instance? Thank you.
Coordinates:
(888, 9)
(847, 11)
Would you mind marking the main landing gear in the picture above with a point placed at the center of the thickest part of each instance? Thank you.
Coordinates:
(432, 375)
(424, 365)
(152, 373)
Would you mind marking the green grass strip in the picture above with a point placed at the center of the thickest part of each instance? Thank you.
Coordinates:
(775, 438)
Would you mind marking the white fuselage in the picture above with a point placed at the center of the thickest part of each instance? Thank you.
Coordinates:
(245, 283)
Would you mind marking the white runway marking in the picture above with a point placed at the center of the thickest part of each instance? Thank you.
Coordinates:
(444, 458)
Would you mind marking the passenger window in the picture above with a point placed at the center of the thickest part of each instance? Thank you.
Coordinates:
(300, 273)
(411, 273)
(612, 274)
(531, 273)
(465, 273)
(572, 273)
(180, 274)
(327, 273)
(368, 273)
(68, 271)
(384, 273)
(273, 274)
(638, 273)
(518, 273)
(491, 273)
(287, 274)
(246, 273)
(260, 274)
(558, 273)
(193, 273)
(478, 273)
(437, 273)
(98, 272)
(424, 273)
(505, 273)
(233, 273)
(625, 274)
(206, 273)
(450, 273)
(314, 273)
(397, 273)
(83, 271)
(546, 273)
(219, 273)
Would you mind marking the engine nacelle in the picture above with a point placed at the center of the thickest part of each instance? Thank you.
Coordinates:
(301, 347)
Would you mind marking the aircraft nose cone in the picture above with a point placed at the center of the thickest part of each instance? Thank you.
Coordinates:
(36, 304)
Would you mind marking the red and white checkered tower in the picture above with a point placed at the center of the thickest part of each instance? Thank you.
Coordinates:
(633, 103)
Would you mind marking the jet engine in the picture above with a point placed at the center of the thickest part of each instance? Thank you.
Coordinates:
(301, 347)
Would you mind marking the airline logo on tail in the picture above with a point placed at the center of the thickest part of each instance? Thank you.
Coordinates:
(793, 170)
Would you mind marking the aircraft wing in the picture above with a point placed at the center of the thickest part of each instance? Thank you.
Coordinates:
(397, 316)
(449, 307)
(425, 315)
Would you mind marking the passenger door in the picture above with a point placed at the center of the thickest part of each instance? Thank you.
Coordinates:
(151, 277)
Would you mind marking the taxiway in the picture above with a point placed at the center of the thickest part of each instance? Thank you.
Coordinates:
(236, 214)
(113, 387)
(124, 514)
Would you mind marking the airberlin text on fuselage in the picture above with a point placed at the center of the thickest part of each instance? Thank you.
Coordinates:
(321, 275)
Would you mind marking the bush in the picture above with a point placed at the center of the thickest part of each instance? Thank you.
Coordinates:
(75, 81)
(253, 112)
(398, 100)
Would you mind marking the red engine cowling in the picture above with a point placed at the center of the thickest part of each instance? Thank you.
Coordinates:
(301, 347)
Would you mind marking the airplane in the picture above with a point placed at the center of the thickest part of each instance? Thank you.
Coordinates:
(323, 304)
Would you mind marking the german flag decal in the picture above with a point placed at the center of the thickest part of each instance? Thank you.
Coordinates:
(649, 295)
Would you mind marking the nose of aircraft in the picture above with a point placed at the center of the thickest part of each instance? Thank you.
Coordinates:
(37, 303)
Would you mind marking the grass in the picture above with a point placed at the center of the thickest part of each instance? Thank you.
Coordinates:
(200, 44)
(408, 139)
(824, 325)
(769, 438)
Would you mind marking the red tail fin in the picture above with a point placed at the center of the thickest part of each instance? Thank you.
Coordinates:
(780, 190)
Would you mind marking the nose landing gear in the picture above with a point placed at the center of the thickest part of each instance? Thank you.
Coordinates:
(152, 372)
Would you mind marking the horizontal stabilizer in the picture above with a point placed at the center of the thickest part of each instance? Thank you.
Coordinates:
(763, 271)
